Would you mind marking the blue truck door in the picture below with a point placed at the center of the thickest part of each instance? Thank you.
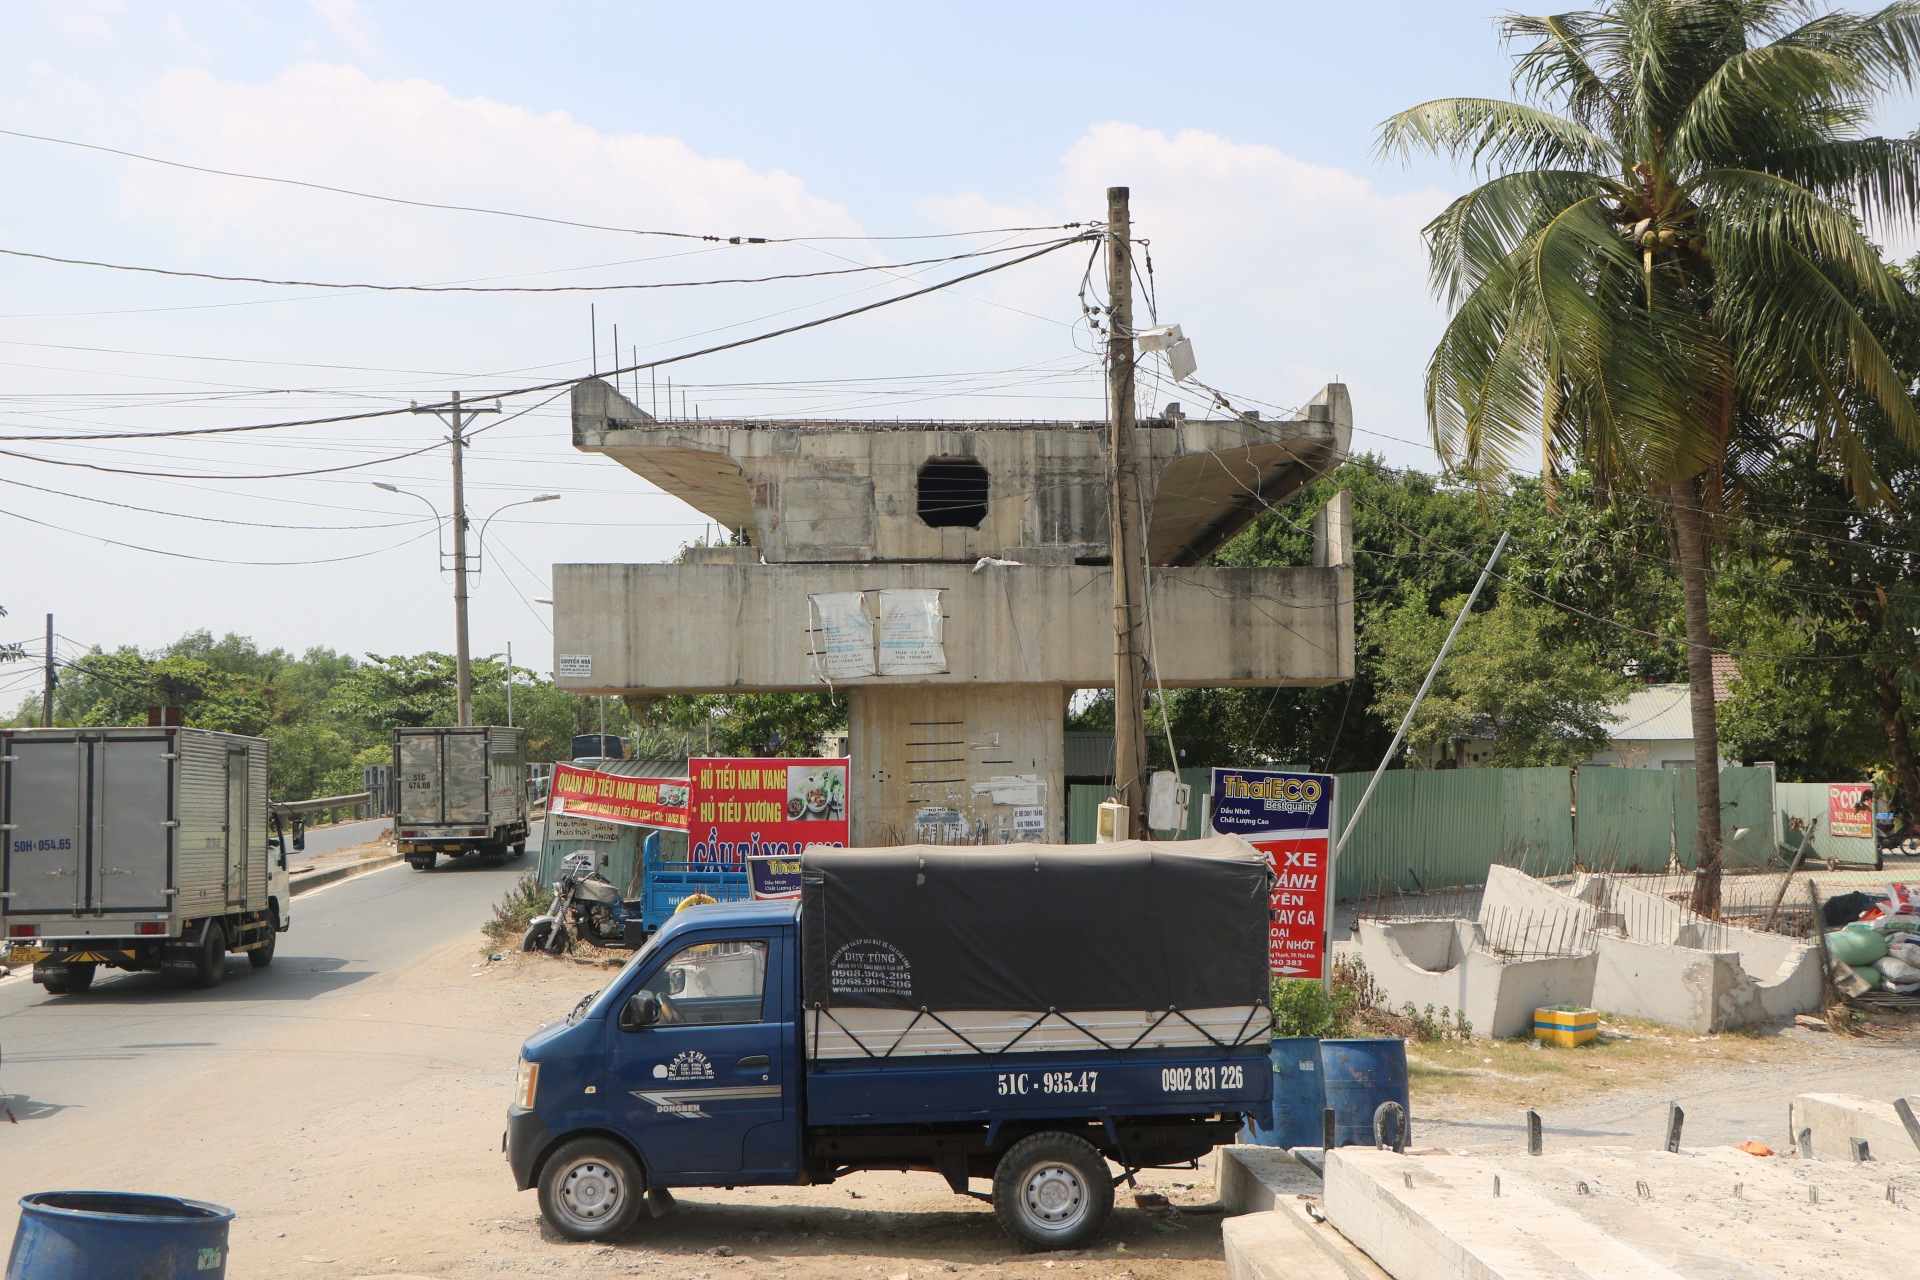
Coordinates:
(703, 1091)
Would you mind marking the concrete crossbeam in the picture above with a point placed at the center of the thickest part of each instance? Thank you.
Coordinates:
(1836, 1119)
(655, 629)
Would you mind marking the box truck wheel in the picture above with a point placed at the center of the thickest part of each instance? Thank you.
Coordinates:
(71, 981)
(262, 956)
(210, 962)
(1052, 1191)
(520, 848)
(590, 1189)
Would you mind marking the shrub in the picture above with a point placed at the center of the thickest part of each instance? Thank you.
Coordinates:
(513, 913)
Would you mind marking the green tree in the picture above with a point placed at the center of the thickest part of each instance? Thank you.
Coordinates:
(1668, 266)
(1514, 677)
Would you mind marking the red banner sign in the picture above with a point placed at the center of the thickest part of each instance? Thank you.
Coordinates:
(765, 808)
(608, 797)
(1850, 809)
(1297, 930)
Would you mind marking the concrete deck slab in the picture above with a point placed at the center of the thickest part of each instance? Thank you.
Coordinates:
(1275, 1234)
(1714, 1214)
(1255, 1179)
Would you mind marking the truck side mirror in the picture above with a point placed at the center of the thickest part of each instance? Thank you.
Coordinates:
(643, 1010)
(299, 834)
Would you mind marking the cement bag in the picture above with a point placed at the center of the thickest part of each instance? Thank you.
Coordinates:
(1896, 970)
(1869, 975)
(1856, 946)
(1906, 947)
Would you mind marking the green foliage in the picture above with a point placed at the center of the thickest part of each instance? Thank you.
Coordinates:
(766, 724)
(1301, 1007)
(526, 899)
(1513, 678)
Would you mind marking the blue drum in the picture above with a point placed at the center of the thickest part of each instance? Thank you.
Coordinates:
(118, 1235)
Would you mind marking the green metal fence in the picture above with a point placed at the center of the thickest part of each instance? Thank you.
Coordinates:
(1428, 828)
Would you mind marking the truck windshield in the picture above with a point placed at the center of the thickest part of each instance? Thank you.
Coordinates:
(590, 1004)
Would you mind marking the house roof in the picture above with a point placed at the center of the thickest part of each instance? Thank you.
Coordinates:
(1657, 711)
(1726, 669)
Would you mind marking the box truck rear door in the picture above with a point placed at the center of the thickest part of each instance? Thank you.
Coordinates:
(466, 779)
(47, 805)
(420, 779)
(132, 844)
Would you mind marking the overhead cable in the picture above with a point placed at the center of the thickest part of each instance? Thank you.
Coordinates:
(503, 213)
(557, 384)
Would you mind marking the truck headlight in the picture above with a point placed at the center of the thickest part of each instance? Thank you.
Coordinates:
(526, 1083)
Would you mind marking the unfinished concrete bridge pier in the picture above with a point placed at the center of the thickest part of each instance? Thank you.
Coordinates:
(951, 579)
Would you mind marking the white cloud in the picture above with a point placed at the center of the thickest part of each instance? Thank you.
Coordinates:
(337, 125)
(1285, 274)
(351, 23)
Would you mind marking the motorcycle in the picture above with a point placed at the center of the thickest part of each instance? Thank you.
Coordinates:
(585, 906)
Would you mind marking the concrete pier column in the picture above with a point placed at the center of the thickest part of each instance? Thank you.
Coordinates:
(947, 764)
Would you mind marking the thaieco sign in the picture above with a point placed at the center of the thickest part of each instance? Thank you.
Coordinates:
(1850, 809)
(609, 797)
(762, 814)
(1288, 816)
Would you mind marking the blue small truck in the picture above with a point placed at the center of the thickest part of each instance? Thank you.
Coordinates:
(1023, 1015)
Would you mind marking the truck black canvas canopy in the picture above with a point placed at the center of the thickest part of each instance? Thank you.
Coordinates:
(1131, 926)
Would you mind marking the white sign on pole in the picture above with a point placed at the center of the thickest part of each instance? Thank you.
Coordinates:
(912, 633)
(844, 633)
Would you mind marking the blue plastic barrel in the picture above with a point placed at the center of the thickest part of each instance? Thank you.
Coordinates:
(118, 1235)
(1298, 1098)
(1359, 1075)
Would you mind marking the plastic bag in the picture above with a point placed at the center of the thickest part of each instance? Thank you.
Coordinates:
(1908, 951)
(1856, 947)
(1894, 969)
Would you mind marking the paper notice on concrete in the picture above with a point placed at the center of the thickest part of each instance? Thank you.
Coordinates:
(912, 635)
(1011, 789)
(842, 637)
(577, 665)
(1030, 820)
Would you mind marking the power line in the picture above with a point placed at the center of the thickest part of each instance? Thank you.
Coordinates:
(182, 555)
(561, 384)
(366, 287)
(188, 515)
(505, 213)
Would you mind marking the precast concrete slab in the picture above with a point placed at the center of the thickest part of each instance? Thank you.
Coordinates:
(1832, 1122)
(1611, 1214)
(1276, 1231)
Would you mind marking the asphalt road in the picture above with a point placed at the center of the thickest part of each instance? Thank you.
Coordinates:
(71, 1063)
(345, 835)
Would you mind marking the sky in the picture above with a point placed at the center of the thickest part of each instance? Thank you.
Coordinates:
(1285, 249)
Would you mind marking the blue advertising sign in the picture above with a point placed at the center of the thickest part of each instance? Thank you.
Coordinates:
(774, 876)
(1250, 802)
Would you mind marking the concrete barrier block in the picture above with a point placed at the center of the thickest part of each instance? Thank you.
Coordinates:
(1252, 1179)
(1835, 1119)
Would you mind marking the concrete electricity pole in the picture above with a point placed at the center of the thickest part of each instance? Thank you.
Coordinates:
(46, 694)
(1124, 523)
(463, 675)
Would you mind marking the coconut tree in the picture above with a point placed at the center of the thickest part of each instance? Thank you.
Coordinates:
(1665, 266)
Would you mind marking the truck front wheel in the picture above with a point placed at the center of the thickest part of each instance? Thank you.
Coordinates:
(262, 956)
(590, 1189)
(1052, 1191)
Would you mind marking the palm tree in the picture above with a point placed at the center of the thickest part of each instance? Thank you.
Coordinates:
(1666, 268)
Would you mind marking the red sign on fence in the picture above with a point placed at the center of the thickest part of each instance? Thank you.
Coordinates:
(1850, 809)
(1297, 929)
(608, 797)
(765, 808)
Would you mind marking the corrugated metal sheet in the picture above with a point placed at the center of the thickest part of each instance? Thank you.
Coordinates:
(1088, 755)
(1536, 820)
(200, 844)
(1748, 820)
(1808, 801)
(1623, 818)
(1659, 711)
(1422, 828)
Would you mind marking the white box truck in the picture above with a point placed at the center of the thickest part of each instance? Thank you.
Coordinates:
(138, 849)
(460, 791)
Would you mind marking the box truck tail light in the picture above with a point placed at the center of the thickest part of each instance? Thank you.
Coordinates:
(476, 831)
(526, 1084)
(21, 930)
(152, 926)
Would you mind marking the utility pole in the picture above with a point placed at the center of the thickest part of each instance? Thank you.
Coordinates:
(457, 418)
(509, 684)
(1124, 526)
(46, 694)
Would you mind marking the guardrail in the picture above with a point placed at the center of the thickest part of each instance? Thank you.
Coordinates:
(356, 802)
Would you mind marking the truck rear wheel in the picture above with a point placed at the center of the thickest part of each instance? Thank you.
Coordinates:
(71, 981)
(590, 1189)
(210, 962)
(1052, 1191)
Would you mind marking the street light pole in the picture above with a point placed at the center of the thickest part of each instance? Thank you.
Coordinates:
(457, 416)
